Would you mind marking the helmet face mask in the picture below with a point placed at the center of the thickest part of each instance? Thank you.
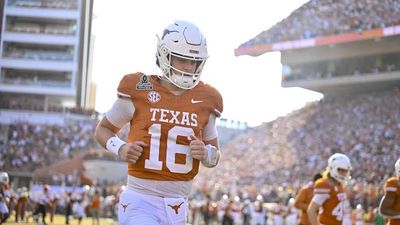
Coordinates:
(338, 162)
(181, 40)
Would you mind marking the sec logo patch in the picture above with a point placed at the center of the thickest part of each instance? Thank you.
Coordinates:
(153, 96)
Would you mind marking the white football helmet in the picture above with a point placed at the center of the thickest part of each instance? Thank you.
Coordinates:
(184, 40)
(339, 161)
(397, 168)
(4, 178)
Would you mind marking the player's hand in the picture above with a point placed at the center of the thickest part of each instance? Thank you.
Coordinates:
(131, 152)
(197, 148)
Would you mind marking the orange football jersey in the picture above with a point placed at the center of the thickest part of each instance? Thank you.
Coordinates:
(304, 197)
(393, 185)
(165, 122)
(333, 208)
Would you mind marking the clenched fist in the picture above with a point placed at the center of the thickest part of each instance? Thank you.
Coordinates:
(197, 148)
(131, 152)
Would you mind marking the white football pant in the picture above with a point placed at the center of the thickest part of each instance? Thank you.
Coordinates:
(139, 209)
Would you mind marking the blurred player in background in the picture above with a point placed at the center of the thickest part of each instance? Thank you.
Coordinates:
(4, 196)
(390, 203)
(329, 193)
(303, 199)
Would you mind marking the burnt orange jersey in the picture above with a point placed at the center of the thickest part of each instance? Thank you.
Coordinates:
(96, 202)
(302, 201)
(165, 122)
(393, 185)
(333, 207)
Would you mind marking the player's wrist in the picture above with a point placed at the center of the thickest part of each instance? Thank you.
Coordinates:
(114, 144)
(212, 156)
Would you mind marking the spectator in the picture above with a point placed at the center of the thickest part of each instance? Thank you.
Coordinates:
(95, 208)
(331, 17)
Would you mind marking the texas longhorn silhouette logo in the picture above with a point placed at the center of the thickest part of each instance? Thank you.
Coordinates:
(125, 205)
(175, 207)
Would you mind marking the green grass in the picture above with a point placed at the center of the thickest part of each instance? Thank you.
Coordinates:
(60, 220)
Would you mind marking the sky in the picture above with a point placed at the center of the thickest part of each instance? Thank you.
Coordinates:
(125, 42)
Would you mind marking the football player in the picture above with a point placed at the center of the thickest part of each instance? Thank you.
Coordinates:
(329, 193)
(303, 199)
(43, 200)
(172, 120)
(4, 196)
(390, 203)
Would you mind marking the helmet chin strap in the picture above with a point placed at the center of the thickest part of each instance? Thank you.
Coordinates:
(181, 79)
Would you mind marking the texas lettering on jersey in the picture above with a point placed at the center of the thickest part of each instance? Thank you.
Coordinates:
(173, 117)
(165, 122)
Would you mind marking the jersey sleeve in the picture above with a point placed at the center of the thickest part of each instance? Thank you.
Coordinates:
(322, 192)
(217, 102)
(126, 87)
(210, 130)
(391, 185)
(121, 112)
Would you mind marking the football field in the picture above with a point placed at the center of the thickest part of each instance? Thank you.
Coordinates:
(60, 220)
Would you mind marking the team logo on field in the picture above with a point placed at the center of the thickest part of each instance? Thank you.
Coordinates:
(153, 96)
(144, 83)
(176, 207)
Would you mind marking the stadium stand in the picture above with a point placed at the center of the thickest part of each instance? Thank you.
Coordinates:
(331, 17)
(349, 51)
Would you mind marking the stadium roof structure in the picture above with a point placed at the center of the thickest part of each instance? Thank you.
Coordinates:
(276, 38)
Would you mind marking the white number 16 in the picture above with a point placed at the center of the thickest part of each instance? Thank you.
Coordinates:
(172, 148)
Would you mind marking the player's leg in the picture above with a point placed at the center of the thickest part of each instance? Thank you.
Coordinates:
(140, 209)
(4, 212)
(176, 210)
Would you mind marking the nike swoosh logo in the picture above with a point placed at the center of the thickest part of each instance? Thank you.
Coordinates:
(196, 101)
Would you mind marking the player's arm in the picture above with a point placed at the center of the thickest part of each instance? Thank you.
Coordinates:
(104, 131)
(386, 206)
(210, 137)
(321, 194)
(300, 200)
(207, 150)
(312, 212)
(213, 153)
(120, 114)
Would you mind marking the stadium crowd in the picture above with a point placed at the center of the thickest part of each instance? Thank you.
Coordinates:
(32, 146)
(280, 157)
(376, 64)
(276, 159)
(331, 17)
